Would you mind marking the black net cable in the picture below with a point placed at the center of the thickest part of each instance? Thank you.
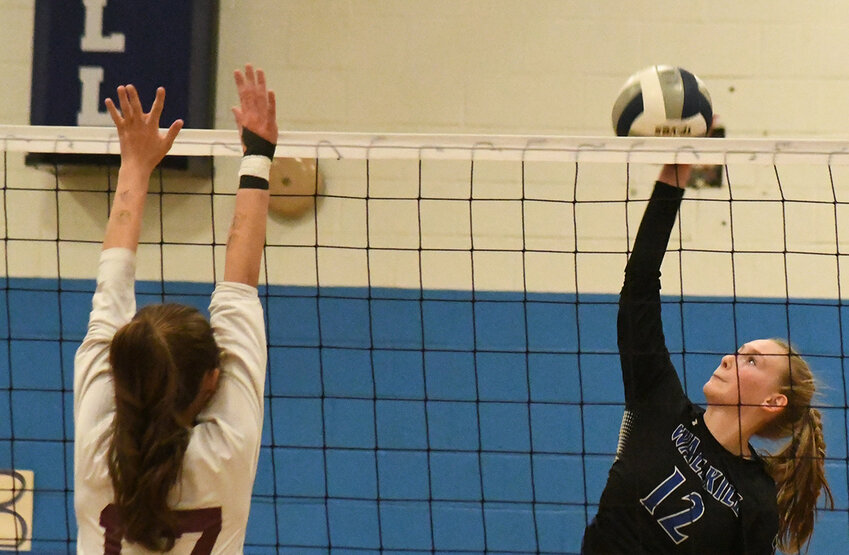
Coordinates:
(63, 390)
(837, 253)
(735, 331)
(423, 332)
(321, 373)
(8, 339)
(578, 361)
(527, 363)
(374, 405)
(475, 353)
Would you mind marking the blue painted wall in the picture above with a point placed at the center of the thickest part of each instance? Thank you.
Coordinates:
(486, 422)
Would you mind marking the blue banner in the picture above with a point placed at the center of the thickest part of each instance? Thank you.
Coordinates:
(84, 49)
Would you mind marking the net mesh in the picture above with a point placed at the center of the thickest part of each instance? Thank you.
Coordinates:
(443, 372)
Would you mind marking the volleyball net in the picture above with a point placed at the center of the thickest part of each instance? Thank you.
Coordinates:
(443, 371)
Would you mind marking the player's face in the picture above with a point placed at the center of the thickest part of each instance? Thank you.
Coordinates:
(750, 377)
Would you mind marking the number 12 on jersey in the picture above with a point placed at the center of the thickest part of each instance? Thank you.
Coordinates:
(672, 524)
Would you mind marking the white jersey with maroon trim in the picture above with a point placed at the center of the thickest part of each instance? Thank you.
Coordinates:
(213, 494)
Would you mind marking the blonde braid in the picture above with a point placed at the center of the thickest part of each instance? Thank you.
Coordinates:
(799, 474)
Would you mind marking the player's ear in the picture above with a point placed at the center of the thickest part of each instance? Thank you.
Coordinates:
(775, 402)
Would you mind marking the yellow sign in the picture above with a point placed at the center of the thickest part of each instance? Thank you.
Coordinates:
(16, 492)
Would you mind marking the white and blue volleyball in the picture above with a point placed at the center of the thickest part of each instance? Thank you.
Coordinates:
(663, 101)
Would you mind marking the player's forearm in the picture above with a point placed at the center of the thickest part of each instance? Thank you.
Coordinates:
(125, 218)
(654, 231)
(247, 237)
(676, 175)
(256, 119)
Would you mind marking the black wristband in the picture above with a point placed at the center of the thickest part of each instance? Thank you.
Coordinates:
(253, 182)
(256, 145)
(256, 163)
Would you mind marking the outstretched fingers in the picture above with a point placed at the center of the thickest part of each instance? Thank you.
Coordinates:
(158, 104)
(171, 134)
(123, 101)
(240, 80)
(257, 108)
(260, 82)
(272, 106)
(261, 90)
(143, 144)
(245, 86)
(128, 100)
(240, 83)
(237, 113)
(130, 103)
(133, 103)
(250, 74)
(113, 111)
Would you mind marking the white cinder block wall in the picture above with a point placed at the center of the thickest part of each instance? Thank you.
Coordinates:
(774, 67)
(537, 66)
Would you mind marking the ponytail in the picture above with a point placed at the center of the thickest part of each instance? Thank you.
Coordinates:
(153, 385)
(799, 468)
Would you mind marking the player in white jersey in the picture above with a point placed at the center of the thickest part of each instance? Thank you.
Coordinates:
(168, 407)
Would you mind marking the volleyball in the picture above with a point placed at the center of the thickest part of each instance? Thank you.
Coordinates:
(662, 101)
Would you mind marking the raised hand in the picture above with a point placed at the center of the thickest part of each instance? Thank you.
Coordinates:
(258, 105)
(142, 144)
(142, 147)
(256, 117)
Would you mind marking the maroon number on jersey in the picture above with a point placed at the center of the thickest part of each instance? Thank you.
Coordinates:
(206, 521)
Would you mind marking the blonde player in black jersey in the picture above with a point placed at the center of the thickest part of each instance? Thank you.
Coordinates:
(685, 479)
(168, 409)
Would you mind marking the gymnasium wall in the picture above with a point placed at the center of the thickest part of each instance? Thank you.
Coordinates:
(544, 67)
(774, 68)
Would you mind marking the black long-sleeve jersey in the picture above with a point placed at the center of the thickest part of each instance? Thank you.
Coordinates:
(672, 487)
